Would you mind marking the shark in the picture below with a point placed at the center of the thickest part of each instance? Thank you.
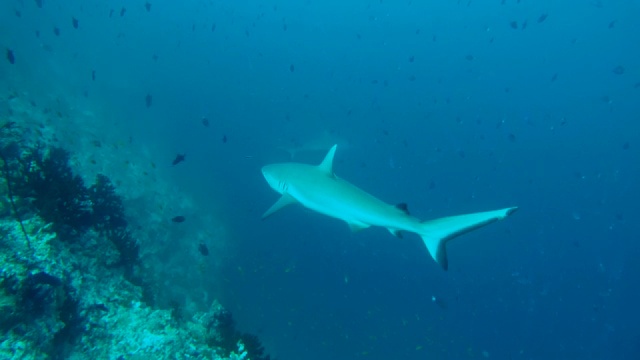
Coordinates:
(317, 144)
(317, 187)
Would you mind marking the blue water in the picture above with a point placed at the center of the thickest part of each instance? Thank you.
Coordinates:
(451, 107)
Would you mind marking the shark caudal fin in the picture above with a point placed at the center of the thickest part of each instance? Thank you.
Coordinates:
(436, 233)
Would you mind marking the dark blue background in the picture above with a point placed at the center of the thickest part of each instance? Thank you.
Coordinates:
(445, 106)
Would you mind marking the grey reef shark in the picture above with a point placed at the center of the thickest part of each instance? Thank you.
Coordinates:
(317, 187)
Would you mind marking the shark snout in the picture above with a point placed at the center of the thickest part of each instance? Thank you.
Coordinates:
(269, 176)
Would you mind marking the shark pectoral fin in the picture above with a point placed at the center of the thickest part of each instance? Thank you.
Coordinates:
(436, 233)
(327, 164)
(355, 227)
(284, 200)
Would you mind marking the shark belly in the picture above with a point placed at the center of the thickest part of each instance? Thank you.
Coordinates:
(342, 200)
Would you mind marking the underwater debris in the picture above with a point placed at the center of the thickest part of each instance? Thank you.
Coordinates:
(179, 158)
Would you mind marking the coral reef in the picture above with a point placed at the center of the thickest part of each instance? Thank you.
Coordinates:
(227, 337)
(44, 176)
(63, 294)
(108, 218)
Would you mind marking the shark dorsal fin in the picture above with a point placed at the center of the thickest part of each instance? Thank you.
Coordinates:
(327, 164)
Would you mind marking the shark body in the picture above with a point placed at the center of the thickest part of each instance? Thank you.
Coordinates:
(318, 144)
(319, 189)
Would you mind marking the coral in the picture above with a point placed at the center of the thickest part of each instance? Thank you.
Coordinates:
(68, 312)
(42, 301)
(60, 197)
(10, 148)
(227, 337)
(109, 219)
(44, 176)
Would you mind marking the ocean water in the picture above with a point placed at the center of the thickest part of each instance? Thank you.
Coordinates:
(451, 107)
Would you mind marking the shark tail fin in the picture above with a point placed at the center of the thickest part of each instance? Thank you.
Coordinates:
(436, 233)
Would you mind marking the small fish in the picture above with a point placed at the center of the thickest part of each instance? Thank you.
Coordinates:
(110, 13)
(411, 58)
(18, 13)
(178, 219)
(147, 6)
(292, 68)
(155, 57)
(205, 122)
(213, 27)
(618, 70)
(74, 22)
(542, 18)
(612, 24)
(469, 57)
(123, 11)
(442, 304)
(513, 24)
(626, 146)
(224, 139)
(56, 31)
(203, 249)
(148, 100)
(93, 75)
(554, 77)
(11, 57)
(39, 3)
(179, 158)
